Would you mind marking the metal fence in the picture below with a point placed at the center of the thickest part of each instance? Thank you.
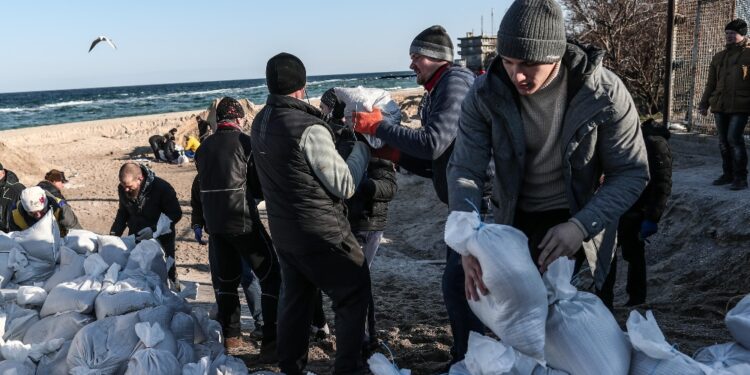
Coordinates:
(698, 35)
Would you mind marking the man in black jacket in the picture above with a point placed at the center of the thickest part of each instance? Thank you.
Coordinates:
(305, 182)
(10, 191)
(228, 188)
(143, 198)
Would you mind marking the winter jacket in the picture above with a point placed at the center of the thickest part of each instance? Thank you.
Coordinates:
(10, 192)
(155, 197)
(728, 86)
(66, 218)
(228, 181)
(50, 188)
(196, 213)
(439, 111)
(653, 200)
(600, 134)
(368, 207)
(304, 179)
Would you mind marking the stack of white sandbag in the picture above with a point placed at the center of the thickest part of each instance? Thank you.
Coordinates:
(731, 357)
(104, 306)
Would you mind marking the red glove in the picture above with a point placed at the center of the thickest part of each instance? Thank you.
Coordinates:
(388, 153)
(367, 122)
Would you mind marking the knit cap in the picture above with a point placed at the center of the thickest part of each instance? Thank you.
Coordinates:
(433, 42)
(285, 74)
(739, 26)
(229, 109)
(532, 30)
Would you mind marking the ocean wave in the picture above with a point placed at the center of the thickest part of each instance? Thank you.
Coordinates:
(332, 80)
(12, 110)
(65, 104)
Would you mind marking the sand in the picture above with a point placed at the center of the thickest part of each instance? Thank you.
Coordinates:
(699, 262)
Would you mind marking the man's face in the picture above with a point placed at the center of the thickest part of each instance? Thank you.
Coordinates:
(732, 36)
(59, 185)
(2, 174)
(527, 76)
(424, 67)
(38, 214)
(131, 185)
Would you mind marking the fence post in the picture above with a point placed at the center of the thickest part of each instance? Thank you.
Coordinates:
(694, 64)
(669, 50)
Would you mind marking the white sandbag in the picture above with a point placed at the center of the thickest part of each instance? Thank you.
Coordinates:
(6, 273)
(182, 327)
(6, 242)
(63, 326)
(94, 265)
(380, 365)
(361, 99)
(27, 269)
(113, 249)
(71, 267)
(228, 365)
(197, 368)
(185, 352)
(515, 311)
(168, 297)
(162, 316)
(582, 335)
(104, 346)
(18, 351)
(652, 355)
(25, 367)
(738, 322)
(163, 225)
(740, 369)
(77, 295)
(82, 241)
(206, 329)
(123, 297)
(722, 356)
(486, 356)
(150, 360)
(148, 256)
(55, 363)
(42, 240)
(17, 321)
(31, 296)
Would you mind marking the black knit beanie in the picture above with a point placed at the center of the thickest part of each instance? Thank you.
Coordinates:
(433, 42)
(285, 74)
(229, 109)
(532, 30)
(738, 25)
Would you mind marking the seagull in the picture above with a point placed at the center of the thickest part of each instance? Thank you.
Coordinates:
(101, 39)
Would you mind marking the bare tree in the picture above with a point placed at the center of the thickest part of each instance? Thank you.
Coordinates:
(633, 35)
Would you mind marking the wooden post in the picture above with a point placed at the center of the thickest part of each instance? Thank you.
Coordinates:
(668, 62)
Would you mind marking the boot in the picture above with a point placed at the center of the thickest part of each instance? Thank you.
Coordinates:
(268, 353)
(726, 166)
(723, 180)
(739, 184)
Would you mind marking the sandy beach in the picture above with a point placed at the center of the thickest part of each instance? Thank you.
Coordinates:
(698, 262)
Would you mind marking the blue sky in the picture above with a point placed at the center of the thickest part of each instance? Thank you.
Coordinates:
(45, 43)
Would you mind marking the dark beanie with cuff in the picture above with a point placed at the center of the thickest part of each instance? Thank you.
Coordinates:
(229, 109)
(739, 26)
(532, 30)
(433, 42)
(285, 74)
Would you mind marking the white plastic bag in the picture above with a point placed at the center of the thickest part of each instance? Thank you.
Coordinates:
(82, 241)
(582, 335)
(151, 360)
(77, 295)
(197, 368)
(31, 296)
(486, 356)
(123, 297)
(104, 346)
(114, 249)
(71, 267)
(516, 307)
(162, 226)
(55, 363)
(148, 256)
(227, 365)
(738, 322)
(722, 356)
(42, 240)
(361, 99)
(61, 326)
(17, 321)
(25, 367)
(379, 365)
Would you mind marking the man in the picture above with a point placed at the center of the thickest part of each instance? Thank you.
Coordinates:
(143, 197)
(34, 204)
(553, 119)
(641, 220)
(54, 182)
(204, 128)
(726, 93)
(10, 191)
(305, 183)
(426, 152)
(228, 188)
(163, 146)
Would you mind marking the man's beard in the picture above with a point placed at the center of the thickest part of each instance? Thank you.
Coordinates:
(132, 194)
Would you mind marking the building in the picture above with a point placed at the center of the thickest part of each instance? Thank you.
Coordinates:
(476, 51)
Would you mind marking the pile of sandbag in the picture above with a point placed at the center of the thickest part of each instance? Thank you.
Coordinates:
(93, 304)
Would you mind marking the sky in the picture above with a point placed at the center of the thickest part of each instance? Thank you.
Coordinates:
(45, 42)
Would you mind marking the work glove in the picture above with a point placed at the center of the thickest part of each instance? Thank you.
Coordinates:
(198, 232)
(561, 240)
(387, 152)
(144, 234)
(367, 122)
(648, 228)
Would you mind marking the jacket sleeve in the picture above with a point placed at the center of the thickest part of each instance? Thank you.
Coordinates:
(339, 177)
(438, 130)
(253, 180)
(710, 85)
(381, 185)
(68, 218)
(121, 219)
(467, 168)
(420, 167)
(660, 168)
(170, 206)
(196, 214)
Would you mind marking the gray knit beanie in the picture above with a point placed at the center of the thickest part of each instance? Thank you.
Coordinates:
(532, 30)
(433, 42)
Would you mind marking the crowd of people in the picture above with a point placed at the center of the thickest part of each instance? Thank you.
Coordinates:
(547, 140)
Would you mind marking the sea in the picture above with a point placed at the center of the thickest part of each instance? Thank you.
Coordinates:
(37, 108)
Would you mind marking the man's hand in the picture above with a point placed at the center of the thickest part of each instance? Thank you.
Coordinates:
(561, 240)
(367, 122)
(473, 278)
(198, 232)
(144, 234)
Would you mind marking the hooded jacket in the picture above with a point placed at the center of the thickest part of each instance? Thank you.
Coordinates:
(600, 135)
(155, 197)
(10, 193)
(728, 86)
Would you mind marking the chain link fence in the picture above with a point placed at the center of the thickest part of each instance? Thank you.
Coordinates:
(698, 35)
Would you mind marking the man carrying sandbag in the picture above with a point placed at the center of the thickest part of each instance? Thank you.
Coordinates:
(554, 120)
(143, 197)
(305, 182)
(35, 203)
(10, 191)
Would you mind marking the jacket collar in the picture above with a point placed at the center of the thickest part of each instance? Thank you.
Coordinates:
(10, 178)
(285, 101)
(433, 81)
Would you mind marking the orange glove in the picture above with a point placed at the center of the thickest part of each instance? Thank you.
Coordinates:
(388, 153)
(367, 122)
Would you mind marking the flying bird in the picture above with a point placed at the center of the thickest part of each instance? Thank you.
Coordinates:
(101, 39)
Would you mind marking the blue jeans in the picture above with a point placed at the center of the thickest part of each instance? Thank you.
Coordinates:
(731, 127)
(460, 316)
(249, 282)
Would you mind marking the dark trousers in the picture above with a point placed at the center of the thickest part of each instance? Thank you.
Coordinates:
(256, 249)
(348, 286)
(460, 316)
(634, 252)
(155, 142)
(167, 242)
(248, 281)
(731, 127)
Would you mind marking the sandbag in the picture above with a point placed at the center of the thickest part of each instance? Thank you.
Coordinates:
(652, 355)
(31, 296)
(182, 327)
(42, 240)
(10, 367)
(722, 356)
(105, 345)
(150, 360)
(380, 365)
(582, 335)
(79, 294)
(228, 365)
(63, 326)
(162, 316)
(55, 363)
(28, 270)
(185, 352)
(71, 268)
(361, 99)
(515, 311)
(738, 322)
(17, 321)
(197, 368)
(486, 356)
(113, 249)
(123, 297)
(148, 256)
(6, 273)
(82, 241)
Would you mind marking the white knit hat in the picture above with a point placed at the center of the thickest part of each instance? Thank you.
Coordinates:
(33, 199)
